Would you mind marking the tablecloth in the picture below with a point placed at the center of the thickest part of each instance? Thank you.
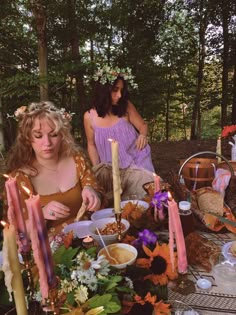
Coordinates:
(221, 298)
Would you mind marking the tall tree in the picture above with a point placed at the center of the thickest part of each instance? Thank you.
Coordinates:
(225, 59)
(196, 114)
(39, 12)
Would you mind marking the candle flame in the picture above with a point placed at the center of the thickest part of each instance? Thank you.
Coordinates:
(110, 139)
(6, 176)
(26, 190)
(3, 223)
(169, 196)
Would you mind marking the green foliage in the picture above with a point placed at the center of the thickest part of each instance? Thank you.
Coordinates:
(64, 256)
(157, 39)
(106, 300)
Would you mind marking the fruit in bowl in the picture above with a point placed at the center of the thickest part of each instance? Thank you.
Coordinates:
(108, 230)
(122, 254)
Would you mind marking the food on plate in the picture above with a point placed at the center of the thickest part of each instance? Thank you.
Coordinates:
(111, 228)
(132, 211)
(201, 251)
(120, 255)
(233, 248)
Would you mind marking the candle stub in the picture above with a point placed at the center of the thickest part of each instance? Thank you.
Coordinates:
(88, 242)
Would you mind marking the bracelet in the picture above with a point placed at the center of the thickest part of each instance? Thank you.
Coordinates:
(143, 136)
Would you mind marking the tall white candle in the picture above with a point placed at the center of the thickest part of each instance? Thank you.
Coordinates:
(116, 175)
(10, 253)
(218, 149)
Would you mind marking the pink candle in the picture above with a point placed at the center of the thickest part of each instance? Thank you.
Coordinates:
(156, 183)
(176, 228)
(15, 214)
(40, 244)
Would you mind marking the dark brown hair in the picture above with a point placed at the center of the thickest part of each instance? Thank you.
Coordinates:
(102, 102)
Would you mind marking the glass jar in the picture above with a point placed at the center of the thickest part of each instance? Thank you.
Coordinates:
(186, 217)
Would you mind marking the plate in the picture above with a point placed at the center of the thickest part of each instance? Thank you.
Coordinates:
(79, 228)
(103, 213)
(140, 203)
(227, 254)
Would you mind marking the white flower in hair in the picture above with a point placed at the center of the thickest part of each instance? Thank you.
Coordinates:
(108, 74)
(20, 111)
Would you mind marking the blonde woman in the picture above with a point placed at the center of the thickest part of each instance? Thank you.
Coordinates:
(46, 160)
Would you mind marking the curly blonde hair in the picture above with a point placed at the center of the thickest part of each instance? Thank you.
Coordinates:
(21, 155)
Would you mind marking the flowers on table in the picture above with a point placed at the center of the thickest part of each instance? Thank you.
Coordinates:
(228, 131)
(89, 285)
(158, 201)
(150, 275)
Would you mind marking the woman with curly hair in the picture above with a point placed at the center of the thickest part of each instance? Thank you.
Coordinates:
(46, 160)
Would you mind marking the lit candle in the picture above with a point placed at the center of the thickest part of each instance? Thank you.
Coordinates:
(15, 214)
(116, 175)
(156, 183)
(176, 229)
(40, 244)
(88, 242)
(218, 149)
(10, 255)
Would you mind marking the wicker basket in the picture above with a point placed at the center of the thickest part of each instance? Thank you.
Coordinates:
(230, 193)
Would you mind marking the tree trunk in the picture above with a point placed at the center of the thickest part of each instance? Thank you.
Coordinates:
(168, 106)
(2, 142)
(224, 102)
(233, 118)
(41, 19)
(196, 115)
(79, 108)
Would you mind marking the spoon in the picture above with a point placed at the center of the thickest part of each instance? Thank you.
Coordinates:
(106, 249)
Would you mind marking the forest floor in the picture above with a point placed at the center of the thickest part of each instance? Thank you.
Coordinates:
(167, 156)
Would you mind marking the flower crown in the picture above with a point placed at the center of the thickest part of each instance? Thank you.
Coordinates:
(108, 74)
(21, 111)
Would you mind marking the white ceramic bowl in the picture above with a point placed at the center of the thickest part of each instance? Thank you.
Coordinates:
(103, 213)
(100, 224)
(139, 203)
(79, 228)
(126, 251)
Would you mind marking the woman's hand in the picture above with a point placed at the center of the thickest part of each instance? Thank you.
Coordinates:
(141, 142)
(55, 210)
(91, 198)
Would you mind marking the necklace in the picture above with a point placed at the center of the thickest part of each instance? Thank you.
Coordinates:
(49, 169)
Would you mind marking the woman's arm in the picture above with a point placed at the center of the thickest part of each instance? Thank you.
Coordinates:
(91, 146)
(137, 121)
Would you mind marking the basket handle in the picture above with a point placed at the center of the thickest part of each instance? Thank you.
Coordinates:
(208, 152)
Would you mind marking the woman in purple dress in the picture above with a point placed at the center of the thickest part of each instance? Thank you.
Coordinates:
(113, 116)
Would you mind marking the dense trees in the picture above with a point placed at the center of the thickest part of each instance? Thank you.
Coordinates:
(182, 52)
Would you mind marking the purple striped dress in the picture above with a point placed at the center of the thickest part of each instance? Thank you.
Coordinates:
(125, 133)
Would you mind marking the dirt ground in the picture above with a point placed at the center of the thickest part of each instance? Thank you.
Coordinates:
(166, 156)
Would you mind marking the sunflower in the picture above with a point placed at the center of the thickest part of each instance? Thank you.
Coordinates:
(159, 264)
(160, 308)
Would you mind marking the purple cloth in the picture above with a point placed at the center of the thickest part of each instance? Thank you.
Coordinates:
(125, 133)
